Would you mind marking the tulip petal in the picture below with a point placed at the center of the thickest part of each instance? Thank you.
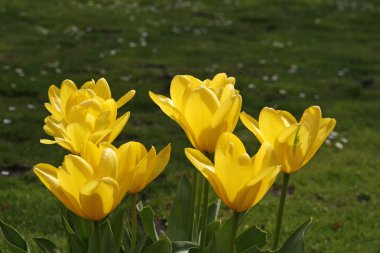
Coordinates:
(312, 117)
(54, 97)
(102, 89)
(178, 86)
(118, 127)
(252, 126)
(68, 87)
(270, 124)
(162, 160)
(126, 98)
(96, 198)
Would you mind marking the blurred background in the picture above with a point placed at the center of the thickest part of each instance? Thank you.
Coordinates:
(284, 54)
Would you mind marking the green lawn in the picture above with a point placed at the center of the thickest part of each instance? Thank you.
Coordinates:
(284, 54)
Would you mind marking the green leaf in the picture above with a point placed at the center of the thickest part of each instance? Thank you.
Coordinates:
(295, 243)
(81, 227)
(76, 245)
(46, 245)
(108, 243)
(179, 223)
(15, 242)
(223, 236)
(117, 221)
(212, 212)
(140, 244)
(211, 230)
(147, 218)
(161, 246)
(183, 246)
(253, 236)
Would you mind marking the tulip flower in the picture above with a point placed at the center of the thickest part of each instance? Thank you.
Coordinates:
(140, 166)
(204, 109)
(295, 143)
(85, 114)
(93, 184)
(239, 180)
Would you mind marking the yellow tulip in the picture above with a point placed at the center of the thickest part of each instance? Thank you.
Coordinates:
(295, 143)
(204, 109)
(239, 180)
(85, 114)
(93, 184)
(141, 167)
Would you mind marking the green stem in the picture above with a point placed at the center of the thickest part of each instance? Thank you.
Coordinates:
(134, 222)
(200, 185)
(281, 210)
(235, 224)
(193, 199)
(97, 236)
(204, 215)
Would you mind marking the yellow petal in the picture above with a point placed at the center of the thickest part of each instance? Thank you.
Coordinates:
(228, 112)
(48, 176)
(264, 158)
(199, 110)
(252, 126)
(161, 161)
(177, 89)
(102, 89)
(270, 124)
(287, 118)
(97, 198)
(68, 87)
(79, 135)
(118, 127)
(126, 98)
(54, 97)
(312, 116)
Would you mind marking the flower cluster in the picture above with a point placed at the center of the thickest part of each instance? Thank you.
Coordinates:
(93, 180)
(96, 177)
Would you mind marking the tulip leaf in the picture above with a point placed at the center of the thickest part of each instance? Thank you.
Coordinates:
(81, 227)
(140, 244)
(46, 245)
(180, 221)
(117, 222)
(147, 218)
(15, 242)
(76, 245)
(183, 246)
(211, 246)
(161, 246)
(253, 236)
(295, 243)
(106, 237)
(211, 230)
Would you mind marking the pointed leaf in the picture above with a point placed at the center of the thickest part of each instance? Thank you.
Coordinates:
(213, 210)
(253, 236)
(179, 223)
(147, 218)
(161, 246)
(108, 243)
(255, 249)
(295, 243)
(46, 245)
(76, 245)
(211, 230)
(117, 222)
(14, 240)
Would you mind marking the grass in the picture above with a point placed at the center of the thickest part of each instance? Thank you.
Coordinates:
(333, 46)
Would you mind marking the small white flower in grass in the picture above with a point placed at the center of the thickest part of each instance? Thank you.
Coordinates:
(43, 72)
(5, 173)
(240, 65)
(12, 108)
(293, 69)
(6, 67)
(102, 55)
(328, 142)
(302, 95)
(7, 121)
(344, 140)
(13, 85)
(339, 145)
(58, 70)
(282, 91)
(316, 96)
(20, 72)
(317, 21)
(262, 61)
(333, 135)
(278, 44)
(132, 44)
(274, 78)
(265, 78)
(102, 71)
(251, 86)
(30, 106)
(120, 40)
(113, 52)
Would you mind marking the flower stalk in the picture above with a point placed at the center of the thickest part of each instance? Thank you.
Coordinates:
(281, 208)
(204, 215)
(97, 236)
(134, 221)
(235, 224)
